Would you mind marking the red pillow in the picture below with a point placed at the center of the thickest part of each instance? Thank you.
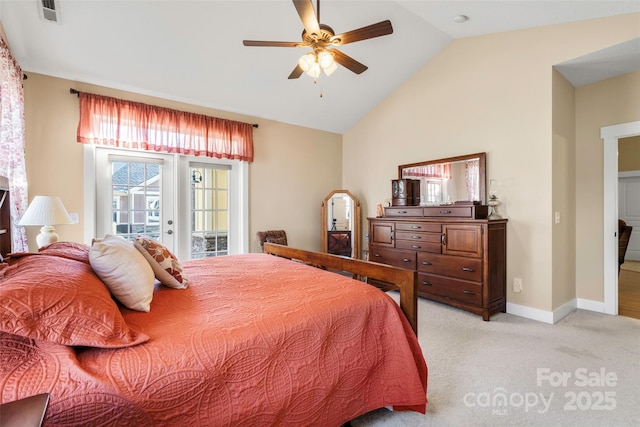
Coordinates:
(70, 250)
(62, 301)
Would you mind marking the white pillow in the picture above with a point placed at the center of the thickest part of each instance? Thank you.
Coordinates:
(124, 270)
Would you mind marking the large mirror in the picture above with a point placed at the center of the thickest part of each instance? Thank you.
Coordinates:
(340, 229)
(449, 180)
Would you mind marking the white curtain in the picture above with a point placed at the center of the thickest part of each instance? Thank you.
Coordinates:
(12, 141)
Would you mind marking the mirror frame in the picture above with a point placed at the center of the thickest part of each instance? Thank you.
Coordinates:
(324, 227)
(481, 169)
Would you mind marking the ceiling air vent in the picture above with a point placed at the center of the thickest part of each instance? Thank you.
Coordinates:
(49, 11)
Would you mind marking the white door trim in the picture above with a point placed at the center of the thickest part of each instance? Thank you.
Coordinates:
(610, 136)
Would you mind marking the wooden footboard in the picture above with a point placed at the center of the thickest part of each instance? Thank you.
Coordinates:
(405, 280)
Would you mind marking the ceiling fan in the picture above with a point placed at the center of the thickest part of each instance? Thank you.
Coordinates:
(322, 40)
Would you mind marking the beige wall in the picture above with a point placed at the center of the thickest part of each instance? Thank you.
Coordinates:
(491, 93)
(609, 102)
(293, 170)
(564, 190)
(629, 153)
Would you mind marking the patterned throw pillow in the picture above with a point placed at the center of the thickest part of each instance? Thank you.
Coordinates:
(166, 267)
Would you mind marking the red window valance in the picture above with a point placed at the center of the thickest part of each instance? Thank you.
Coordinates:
(119, 123)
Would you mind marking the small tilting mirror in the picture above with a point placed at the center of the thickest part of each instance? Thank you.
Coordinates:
(340, 228)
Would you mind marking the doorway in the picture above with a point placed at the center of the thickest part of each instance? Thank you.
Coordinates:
(610, 136)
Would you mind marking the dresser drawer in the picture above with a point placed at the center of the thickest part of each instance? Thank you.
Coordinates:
(459, 290)
(419, 226)
(405, 211)
(416, 245)
(397, 258)
(419, 237)
(453, 211)
(454, 266)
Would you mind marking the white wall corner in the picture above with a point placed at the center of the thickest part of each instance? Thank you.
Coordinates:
(564, 309)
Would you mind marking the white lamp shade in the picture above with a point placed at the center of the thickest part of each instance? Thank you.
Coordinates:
(306, 61)
(329, 70)
(325, 59)
(314, 71)
(46, 210)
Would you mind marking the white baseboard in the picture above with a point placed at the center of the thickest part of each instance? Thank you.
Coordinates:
(530, 312)
(552, 317)
(587, 304)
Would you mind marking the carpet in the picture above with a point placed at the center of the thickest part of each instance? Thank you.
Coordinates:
(631, 266)
(511, 371)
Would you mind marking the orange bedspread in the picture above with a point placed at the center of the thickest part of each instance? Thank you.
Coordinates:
(254, 340)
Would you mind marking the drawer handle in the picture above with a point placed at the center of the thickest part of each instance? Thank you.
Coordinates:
(415, 236)
(416, 227)
(402, 212)
(468, 269)
(377, 255)
(468, 292)
(424, 282)
(426, 263)
(406, 260)
(445, 212)
(416, 246)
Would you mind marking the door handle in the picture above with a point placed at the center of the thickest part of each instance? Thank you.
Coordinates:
(170, 232)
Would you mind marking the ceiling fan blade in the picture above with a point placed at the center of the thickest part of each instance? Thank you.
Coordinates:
(271, 44)
(348, 62)
(297, 72)
(374, 30)
(307, 16)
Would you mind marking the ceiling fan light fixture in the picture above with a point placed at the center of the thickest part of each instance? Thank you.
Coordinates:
(330, 69)
(314, 71)
(306, 61)
(325, 59)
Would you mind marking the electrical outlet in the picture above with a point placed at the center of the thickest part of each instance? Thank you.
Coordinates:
(517, 284)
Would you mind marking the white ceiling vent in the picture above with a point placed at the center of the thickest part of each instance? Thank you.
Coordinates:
(49, 10)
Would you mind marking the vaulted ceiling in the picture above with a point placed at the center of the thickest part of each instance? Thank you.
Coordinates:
(192, 51)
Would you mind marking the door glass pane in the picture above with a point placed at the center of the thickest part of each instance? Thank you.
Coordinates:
(209, 211)
(135, 190)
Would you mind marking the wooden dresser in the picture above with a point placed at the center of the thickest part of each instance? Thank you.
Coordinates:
(461, 260)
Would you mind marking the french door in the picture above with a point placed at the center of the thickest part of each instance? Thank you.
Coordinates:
(135, 195)
(196, 207)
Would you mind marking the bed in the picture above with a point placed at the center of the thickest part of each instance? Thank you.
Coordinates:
(275, 338)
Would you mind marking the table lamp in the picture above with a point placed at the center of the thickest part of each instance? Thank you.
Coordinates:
(46, 211)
